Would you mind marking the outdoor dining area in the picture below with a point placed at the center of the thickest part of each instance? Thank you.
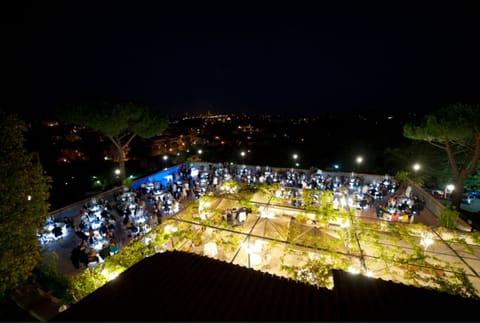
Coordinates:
(347, 192)
(97, 224)
(99, 219)
(400, 208)
(266, 231)
(52, 230)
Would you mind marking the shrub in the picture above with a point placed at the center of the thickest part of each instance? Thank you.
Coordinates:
(448, 217)
(51, 279)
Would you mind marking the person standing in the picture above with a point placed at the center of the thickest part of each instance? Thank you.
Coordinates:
(76, 256)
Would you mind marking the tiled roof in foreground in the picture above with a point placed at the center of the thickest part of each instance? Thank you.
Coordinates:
(179, 286)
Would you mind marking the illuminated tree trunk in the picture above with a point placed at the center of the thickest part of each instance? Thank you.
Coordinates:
(462, 171)
(121, 156)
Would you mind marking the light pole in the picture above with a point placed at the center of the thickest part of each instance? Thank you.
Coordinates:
(117, 172)
(416, 167)
(165, 158)
(242, 153)
(295, 157)
(359, 162)
(448, 190)
(200, 154)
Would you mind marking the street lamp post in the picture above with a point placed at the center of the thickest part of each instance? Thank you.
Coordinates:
(295, 157)
(242, 153)
(165, 158)
(416, 167)
(359, 162)
(448, 190)
(117, 172)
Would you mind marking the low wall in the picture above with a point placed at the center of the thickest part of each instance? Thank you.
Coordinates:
(435, 206)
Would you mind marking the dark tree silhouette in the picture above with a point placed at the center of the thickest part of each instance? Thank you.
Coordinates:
(456, 130)
(119, 122)
(24, 193)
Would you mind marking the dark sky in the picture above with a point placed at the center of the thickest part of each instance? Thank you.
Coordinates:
(292, 59)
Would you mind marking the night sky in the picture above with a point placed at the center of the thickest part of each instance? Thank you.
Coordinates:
(286, 59)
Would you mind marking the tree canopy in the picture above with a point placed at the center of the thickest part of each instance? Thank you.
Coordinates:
(120, 122)
(454, 129)
(24, 194)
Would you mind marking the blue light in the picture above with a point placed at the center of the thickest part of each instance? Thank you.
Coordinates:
(336, 166)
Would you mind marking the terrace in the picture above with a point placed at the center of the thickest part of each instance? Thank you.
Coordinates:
(255, 226)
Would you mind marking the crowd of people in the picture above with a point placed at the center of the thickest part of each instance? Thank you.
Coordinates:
(104, 226)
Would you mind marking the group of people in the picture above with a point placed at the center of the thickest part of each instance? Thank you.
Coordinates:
(97, 229)
(139, 210)
(400, 208)
(82, 254)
